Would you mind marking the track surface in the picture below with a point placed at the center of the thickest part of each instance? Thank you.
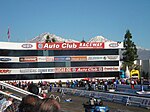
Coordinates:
(76, 105)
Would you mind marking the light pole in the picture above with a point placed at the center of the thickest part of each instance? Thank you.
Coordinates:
(41, 76)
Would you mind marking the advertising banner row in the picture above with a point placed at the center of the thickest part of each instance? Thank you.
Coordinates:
(61, 70)
(60, 58)
(61, 45)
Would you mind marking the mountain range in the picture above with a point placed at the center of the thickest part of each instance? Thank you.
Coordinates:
(143, 54)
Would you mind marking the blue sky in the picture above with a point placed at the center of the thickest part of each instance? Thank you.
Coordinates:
(76, 19)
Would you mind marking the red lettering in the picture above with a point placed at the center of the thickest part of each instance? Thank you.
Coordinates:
(5, 71)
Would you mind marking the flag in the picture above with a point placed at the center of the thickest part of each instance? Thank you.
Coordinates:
(8, 33)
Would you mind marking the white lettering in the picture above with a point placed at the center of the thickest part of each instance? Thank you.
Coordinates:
(92, 69)
(51, 46)
(82, 70)
(69, 45)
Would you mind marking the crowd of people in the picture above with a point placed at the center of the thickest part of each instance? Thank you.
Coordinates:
(29, 103)
(32, 103)
(101, 84)
(87, 84)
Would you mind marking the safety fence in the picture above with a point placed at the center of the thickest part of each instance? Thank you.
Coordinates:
(117, 98)
(128, 89)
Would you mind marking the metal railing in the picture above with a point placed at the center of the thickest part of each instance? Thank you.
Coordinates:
(11, 87)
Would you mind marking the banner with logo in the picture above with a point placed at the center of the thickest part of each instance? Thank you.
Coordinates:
(60, 70)
(111, 68)
(9, 59)
(78, 58)
(113, 45)
(61, 45)
(28, 59)
(61, 58)
(103, 58)
(70, 45)
(17, 46)
(78, 69)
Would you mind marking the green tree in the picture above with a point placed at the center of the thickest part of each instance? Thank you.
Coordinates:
(47, 39)
(53, 40)
(83, 41)
(130, 51)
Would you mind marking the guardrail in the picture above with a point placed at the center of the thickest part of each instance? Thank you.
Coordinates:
(7, 94)
(17, 89)
(118, 98)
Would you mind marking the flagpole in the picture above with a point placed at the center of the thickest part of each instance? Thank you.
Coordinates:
(8, 34)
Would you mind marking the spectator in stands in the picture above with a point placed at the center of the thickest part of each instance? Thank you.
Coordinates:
(33, 89)
(6, 103)
(30, 103)
(49, 105)
(50, 87)
(2, 100)
(132, 84)
(44, 95)
(13, 107)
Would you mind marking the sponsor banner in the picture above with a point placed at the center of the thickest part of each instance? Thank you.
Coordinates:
(5, 71)
(111, 68)
(27, 45)
(78, 69)
(37, 70)
(113, 57)
(88, 69)
(28, 59)
(27, 71)
(64, 46)
(78, 58)
(5, 59)
(61, 59)
(49, 59)
(113, 45)
(58, 70)
(45, 59)
(96, 58)
(41, 59)
(103, 58)
(71, 46)
(9, 59)
(18, 46)
(63, 70)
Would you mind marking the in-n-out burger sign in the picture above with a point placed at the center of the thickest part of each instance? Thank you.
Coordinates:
(65, 46)
(5, 71)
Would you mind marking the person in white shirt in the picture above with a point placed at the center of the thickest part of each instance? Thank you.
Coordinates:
(6, 103)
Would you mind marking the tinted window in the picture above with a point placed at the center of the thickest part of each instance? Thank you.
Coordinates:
(58, 52)
(59, 64)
